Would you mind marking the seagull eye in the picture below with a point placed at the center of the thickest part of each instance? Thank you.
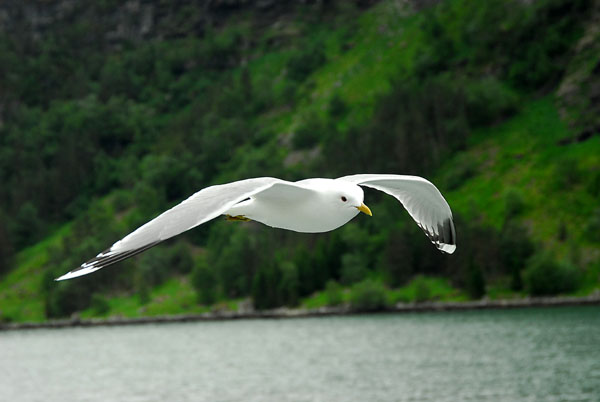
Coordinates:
(344, 199)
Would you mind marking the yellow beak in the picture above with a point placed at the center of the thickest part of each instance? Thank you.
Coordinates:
(365, 209)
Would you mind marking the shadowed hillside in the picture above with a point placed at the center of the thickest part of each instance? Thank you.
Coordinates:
(112, 112)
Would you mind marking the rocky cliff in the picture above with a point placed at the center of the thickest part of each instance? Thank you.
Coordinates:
(579, 92)
(135, 20)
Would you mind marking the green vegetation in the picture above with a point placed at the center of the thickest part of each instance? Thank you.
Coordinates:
(545, 276)
(372, 294)
(368, 295)
(97, 139)
(423, 288)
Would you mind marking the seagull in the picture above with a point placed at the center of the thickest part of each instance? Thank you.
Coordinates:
(310, 206)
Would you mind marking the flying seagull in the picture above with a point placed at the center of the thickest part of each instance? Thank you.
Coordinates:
(309, 206)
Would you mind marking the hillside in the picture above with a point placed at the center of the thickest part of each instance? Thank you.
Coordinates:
(109, 115)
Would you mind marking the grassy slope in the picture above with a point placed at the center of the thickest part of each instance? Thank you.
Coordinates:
(20, 299)
(523, 156)
(520, 154)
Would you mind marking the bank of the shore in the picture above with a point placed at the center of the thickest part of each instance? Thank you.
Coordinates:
(302, 313)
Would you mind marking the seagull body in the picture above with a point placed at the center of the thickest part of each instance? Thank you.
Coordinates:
(308, 206)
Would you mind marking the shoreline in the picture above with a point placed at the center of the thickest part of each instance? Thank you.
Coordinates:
(285, 313)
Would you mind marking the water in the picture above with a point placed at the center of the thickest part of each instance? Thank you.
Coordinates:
(516, 355)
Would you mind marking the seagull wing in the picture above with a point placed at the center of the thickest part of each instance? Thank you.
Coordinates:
(422, 200)
(201, 207)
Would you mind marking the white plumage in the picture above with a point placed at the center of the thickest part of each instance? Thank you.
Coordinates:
(310, 206)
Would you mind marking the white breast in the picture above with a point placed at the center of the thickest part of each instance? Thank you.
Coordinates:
(314, 212)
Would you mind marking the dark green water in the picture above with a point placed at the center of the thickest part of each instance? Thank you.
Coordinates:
(512, 355)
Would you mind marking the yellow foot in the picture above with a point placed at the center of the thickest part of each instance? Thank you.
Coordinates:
(240, 218)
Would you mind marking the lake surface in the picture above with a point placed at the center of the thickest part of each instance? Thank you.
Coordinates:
(548, 354)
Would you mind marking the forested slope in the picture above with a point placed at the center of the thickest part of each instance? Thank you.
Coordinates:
(103, 127)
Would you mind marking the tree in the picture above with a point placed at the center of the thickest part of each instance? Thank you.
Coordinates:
(204, 281)
(288, 288)
(515, 250)
(27, 225)
(6, 249)
(265, 289)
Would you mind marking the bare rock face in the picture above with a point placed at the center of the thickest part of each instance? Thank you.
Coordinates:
(130, 21)
(579, 93)
(118, 21)
(136, 20)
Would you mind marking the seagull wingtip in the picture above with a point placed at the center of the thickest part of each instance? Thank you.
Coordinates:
(84, 270)
(448, 248)
(66, 276)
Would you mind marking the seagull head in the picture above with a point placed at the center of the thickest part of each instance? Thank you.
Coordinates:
(349, 196)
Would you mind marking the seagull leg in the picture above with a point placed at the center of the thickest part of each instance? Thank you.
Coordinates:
(239, 218)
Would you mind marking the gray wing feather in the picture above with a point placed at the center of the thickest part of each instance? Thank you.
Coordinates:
(199, 208)
(422, 200)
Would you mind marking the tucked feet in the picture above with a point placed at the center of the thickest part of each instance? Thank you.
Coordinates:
(239, 218)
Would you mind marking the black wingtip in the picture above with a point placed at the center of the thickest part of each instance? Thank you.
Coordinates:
(449, 232)
(445, 239)
(103, 260)
(448, 236)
